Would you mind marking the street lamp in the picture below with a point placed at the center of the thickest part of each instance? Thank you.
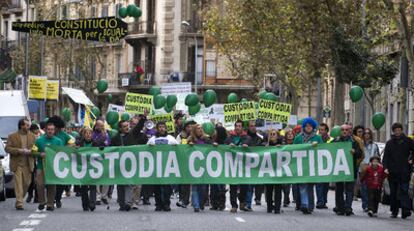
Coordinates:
(187, 25)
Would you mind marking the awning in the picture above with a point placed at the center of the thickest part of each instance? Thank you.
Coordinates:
(7, 76)
(78, 96)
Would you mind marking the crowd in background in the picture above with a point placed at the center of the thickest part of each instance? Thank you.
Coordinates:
(371, 168)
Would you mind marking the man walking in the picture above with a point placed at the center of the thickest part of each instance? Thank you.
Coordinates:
(39, 150)
(398, 155)
(19, 145)
(162, 192)
(323, 188)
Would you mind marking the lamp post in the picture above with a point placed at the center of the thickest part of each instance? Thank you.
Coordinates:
(187, 25)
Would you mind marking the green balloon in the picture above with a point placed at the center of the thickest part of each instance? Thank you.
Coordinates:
(209, 98)
(109, 97)
(167, 109)
(192, 110)
(136, 12)
(262, 94)
(74, 134)
(66, 114)
(102, 86)
(123, 12)
(154, 90)
(113, 133)
(125, 116)
(356, 93)
(300, 122)
(271, 96)
(115, 126)
(378, 120)
(112, 117)
(159, 101)
(335, 131)
(131, 9)
(208, 128)
(244, 100)
(232, 98)
(96, 112)
(46, 119)
(171, 101)
(191, 100)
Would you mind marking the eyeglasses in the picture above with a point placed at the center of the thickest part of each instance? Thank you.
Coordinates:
(273, 134)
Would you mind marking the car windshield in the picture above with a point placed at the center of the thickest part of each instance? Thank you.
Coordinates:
(8, 125)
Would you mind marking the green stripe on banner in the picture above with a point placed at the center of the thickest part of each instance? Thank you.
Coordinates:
(199, 164)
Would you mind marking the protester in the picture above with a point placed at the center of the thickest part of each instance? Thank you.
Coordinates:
(184, 189)
(344, 206)
(257, 139)
(199, 191)
(32, 191)
(373, 177)
(218, 191)
(238, 137)
(288, 140)
(162, 192)
(308, 135)
(101, 138)
(67, 141)
(39, 151)
(371, 150)
(323, 188)
(358, 135)
(88, 192)
(398, 155)
(273, 191)
(19, 145)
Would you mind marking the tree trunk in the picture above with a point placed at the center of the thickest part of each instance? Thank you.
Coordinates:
(338, 112)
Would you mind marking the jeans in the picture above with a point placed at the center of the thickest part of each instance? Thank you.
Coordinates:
(347, 188)
(249, 195)
(307, 197)
(364, 196)
(399, 196)
(374, 198)
(198, 195)
(322, 193)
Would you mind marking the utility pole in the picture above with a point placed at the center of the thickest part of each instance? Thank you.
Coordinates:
(26, 52)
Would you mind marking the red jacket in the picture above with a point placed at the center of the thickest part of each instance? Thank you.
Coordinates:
(374, 178)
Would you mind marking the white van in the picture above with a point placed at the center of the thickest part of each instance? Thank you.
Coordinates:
(13, 107)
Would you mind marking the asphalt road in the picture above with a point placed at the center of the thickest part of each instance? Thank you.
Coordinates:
(71, 217)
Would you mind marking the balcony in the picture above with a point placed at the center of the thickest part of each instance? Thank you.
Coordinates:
(130, 80)
(15, 6)
(142, 30)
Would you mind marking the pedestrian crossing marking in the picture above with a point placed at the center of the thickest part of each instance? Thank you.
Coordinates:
(30, 222)
(37, 216)
(239, 219)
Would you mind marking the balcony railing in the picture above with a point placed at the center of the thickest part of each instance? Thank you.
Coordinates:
(142, 27)
(131, 79)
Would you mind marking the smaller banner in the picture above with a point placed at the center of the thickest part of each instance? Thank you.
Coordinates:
(181, 90)
(137, 103)
(37, 87)
(117, 108)
(274, 111)
(52, 90)
(167, 118)
(244, 111)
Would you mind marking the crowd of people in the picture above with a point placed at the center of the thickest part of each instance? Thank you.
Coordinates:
(371, 168)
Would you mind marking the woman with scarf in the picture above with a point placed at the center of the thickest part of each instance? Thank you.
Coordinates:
(101, 139)
(307, 136)
(273, 191)
(198, 192)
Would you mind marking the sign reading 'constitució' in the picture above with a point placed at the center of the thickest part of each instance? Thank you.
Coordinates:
(107, 29)
(199, 164)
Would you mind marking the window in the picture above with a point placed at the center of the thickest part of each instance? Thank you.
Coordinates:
(104, 62)
(211, 68)
(118, 63)
(93, 12)
(116, 8)
(6, 30)
(64, 13)
(104, 11)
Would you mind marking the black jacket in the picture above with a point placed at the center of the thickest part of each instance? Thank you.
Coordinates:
(256, 139)
(397, 152)
(134, 137)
